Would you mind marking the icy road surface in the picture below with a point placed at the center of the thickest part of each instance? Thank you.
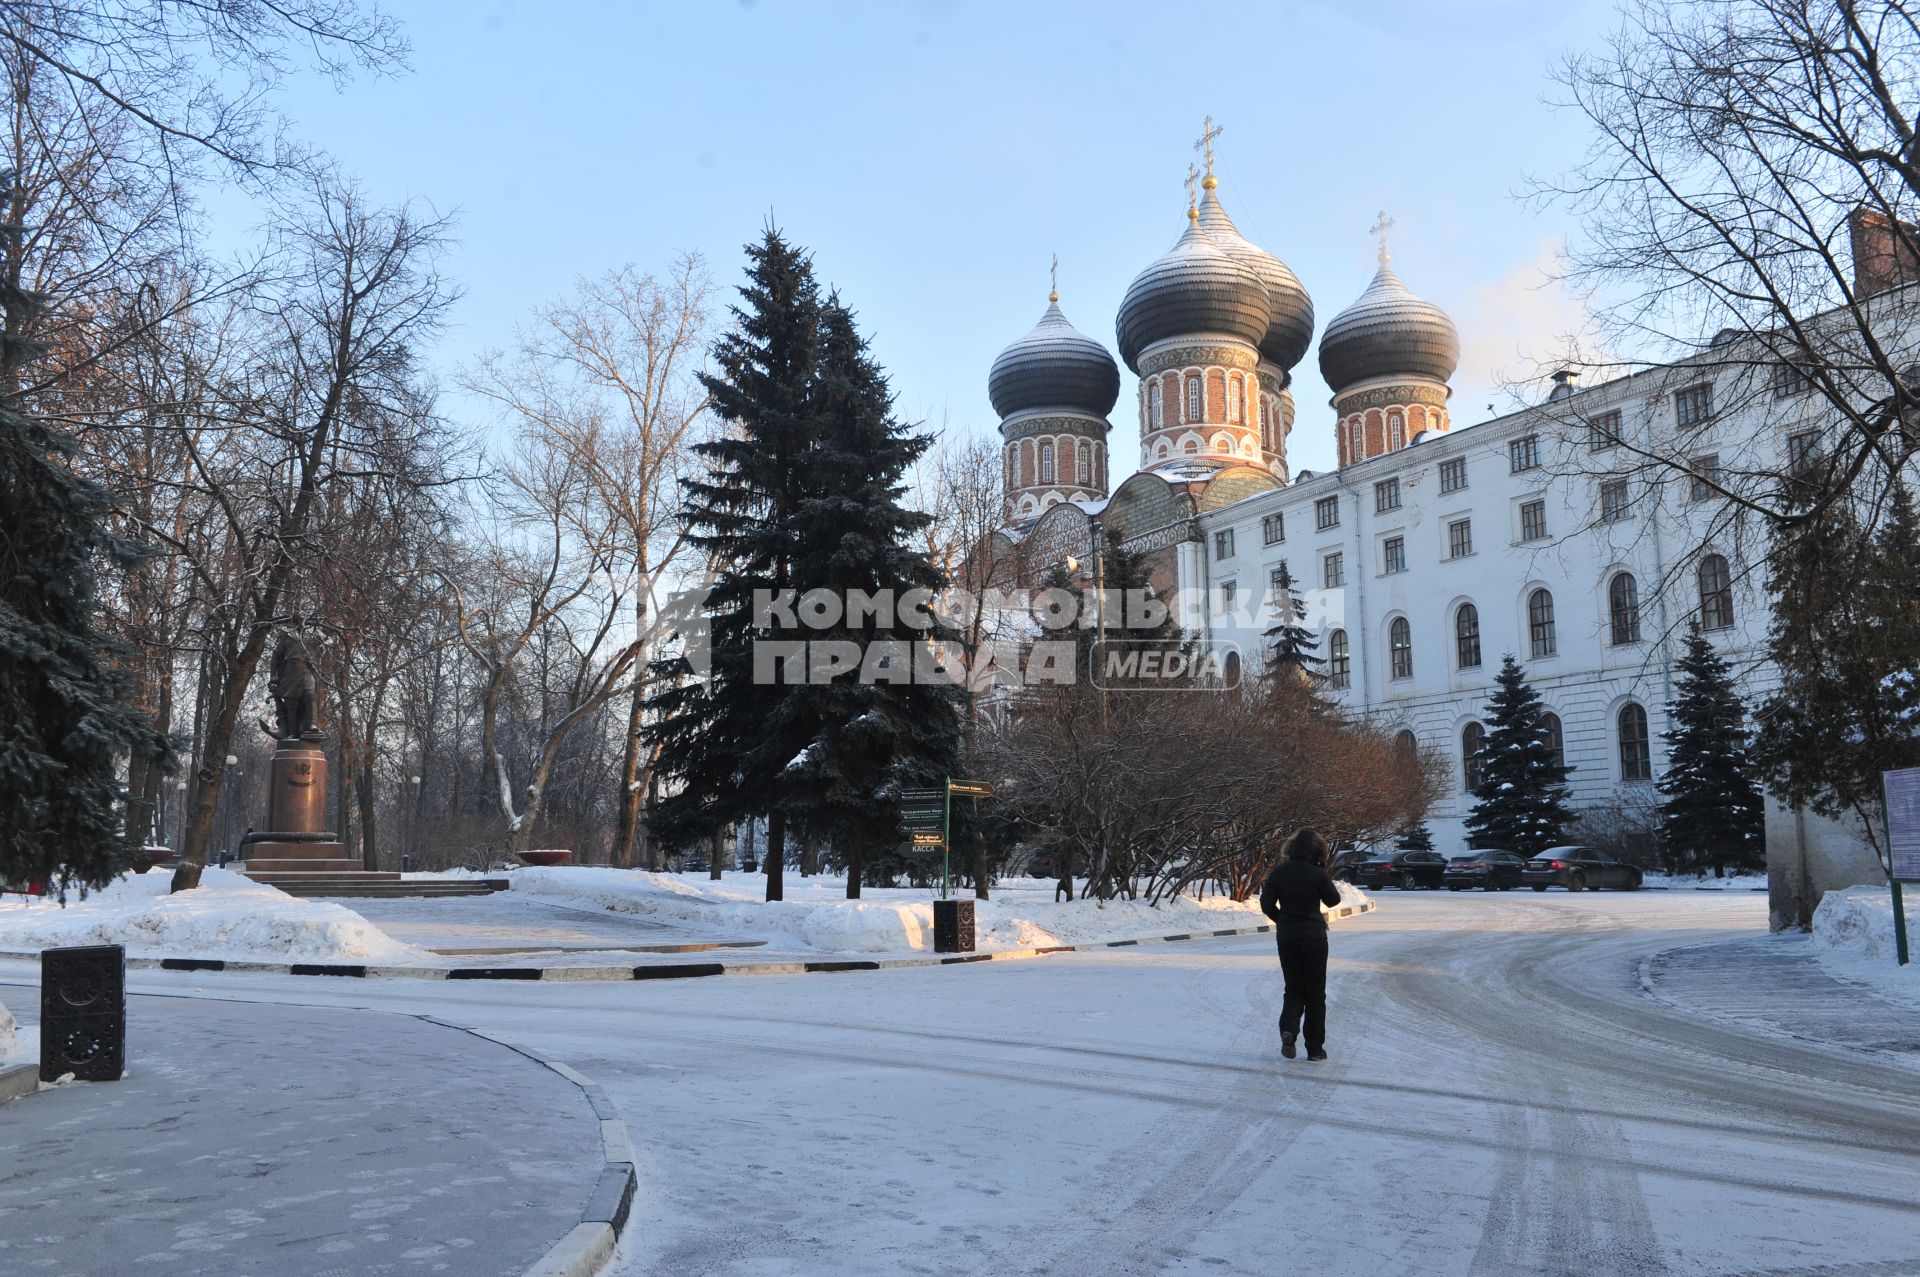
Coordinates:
(1503, 1098)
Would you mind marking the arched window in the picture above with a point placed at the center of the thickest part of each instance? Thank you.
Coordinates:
(1400, 648)
(1466, 637)
(1716, 593)
(1623, 609)
(1396, 430)
(1407, 744)
(1011, 479)
(1556, 738)
(1230, 670)
(1153, 404)
(1191, 446)
(1046, 463)
(1636, 762)
(1540, 623)
(1339, 662)
(1085, 466)
(1195, 403)
(1472, 738)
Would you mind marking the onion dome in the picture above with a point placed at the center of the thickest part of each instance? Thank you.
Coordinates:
(1054, 366)
(1388, 332)
(1197, 288)
(1290, 327)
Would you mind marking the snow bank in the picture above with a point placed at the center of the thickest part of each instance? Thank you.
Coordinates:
(816, 915)
(229, 916)
(8, 1037)
(1857, 922)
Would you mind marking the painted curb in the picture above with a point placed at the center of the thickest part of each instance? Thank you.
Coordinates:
(678, 970)
(18, 1080)
(589, 1244)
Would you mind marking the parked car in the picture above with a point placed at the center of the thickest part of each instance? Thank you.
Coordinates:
(1343, 866)
(1407, 870)
(1577, 868)
(1489, 869)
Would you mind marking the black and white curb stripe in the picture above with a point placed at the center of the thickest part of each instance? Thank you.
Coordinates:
(588, 1246)
(678, 970)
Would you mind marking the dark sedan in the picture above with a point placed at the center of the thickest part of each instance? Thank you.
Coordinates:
(1346, 863)
(1489, 870)
(1407, 870)
(1578, 868)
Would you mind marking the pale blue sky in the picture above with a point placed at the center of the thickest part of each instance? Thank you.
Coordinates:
(934, 155)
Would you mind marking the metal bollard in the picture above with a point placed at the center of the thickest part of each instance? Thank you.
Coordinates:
(83, 1013)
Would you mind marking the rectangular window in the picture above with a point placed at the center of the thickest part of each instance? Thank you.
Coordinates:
(1790, 380)
(1223, 544)
(1273, 529)
(1229, 592)
(1277, 583)
(1613, 500)
(1802, 450)
(1603, 431)
(1460, 538)
(1453, 474)
(1326, 513)
(1706, 473)
(1386, 496)
(1694, 405)
(1533, 521)
(1524, 454)
(1333, 571)
(1393, 554)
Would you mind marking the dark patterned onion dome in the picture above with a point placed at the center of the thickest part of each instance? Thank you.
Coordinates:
(1290, 327)
(1054, 366)
(1388, 333)
(1197, 288)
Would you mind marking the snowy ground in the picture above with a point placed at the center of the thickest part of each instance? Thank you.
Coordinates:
(817, 916)
(1705, 882)
(1503, 1098)
(1853, 938)
(229, 916)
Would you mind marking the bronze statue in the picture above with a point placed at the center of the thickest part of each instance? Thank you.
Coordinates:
(291, 681)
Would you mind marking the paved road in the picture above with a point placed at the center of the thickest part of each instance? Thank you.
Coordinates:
(293, 1140)
(1503, 1098)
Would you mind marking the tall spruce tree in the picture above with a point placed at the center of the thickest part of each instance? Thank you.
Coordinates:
(880, 727)
(1292, 649)
(1845, 639)
(65, 720)
(1521, 800)
(1712, 816)
(1416, 837)
(727, 740)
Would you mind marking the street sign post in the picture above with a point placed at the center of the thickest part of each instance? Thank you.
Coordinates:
(1901, 790)
(927, 817)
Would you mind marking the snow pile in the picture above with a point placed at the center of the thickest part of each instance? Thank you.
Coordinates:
(8, 1037)
(816, 914)
(1857, 923)
(229, 916)
(1706, 882)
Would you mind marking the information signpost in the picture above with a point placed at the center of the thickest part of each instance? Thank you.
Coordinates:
(1902, 792)
(927, 817)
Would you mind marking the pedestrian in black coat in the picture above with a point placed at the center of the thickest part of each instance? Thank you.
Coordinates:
(1292, 897)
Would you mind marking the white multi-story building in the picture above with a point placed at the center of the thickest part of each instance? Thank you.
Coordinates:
(1554, 533)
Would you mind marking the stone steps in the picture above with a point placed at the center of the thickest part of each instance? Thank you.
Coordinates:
(381, 886)
(254, 868)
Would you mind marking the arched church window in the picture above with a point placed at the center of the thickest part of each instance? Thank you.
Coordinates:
(1046, 463)
(1195, 402)
(1192, 446)
(1636, 760)
(1623, 609)
(1466, 637)
(1085, 467)
(1400, 648)
(1540, 624)
(1396, 431)
(1716, 593)
(1153, 404)
(1339, 661)
(1473, 738)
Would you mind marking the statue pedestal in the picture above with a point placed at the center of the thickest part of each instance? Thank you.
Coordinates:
(296, 840)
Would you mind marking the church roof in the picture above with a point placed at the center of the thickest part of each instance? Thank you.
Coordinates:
(1290, 325)
(1197, 287)
(1388, 332)
(1054, 366)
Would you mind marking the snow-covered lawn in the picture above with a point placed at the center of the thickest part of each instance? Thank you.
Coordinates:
(1853, 938)
(1706, 882)
(1021, 914)
(229, 917)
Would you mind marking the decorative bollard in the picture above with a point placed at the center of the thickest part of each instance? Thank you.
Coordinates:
(83, 1013)
(953, 926)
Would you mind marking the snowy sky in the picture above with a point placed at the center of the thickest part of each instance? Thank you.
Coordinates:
(934, 154)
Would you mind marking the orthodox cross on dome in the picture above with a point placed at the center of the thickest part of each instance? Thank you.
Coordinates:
(1208, 132)
(1053, 280)
(1193, 211)
(1379, 230)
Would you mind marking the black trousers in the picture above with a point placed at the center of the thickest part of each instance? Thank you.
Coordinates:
(1303, 961)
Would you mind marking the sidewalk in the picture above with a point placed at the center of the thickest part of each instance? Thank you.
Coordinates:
(254, 1139)
(1775, 983)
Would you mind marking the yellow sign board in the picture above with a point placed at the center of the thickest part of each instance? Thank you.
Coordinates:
(927, 838)
(970, 788)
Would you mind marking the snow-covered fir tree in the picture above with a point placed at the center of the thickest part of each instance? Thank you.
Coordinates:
(1521, 800)
(1416, 838)
(1712, 816)
(1292, 648)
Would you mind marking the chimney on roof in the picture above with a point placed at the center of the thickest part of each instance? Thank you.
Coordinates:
(1565, 382)
(1886, 252)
